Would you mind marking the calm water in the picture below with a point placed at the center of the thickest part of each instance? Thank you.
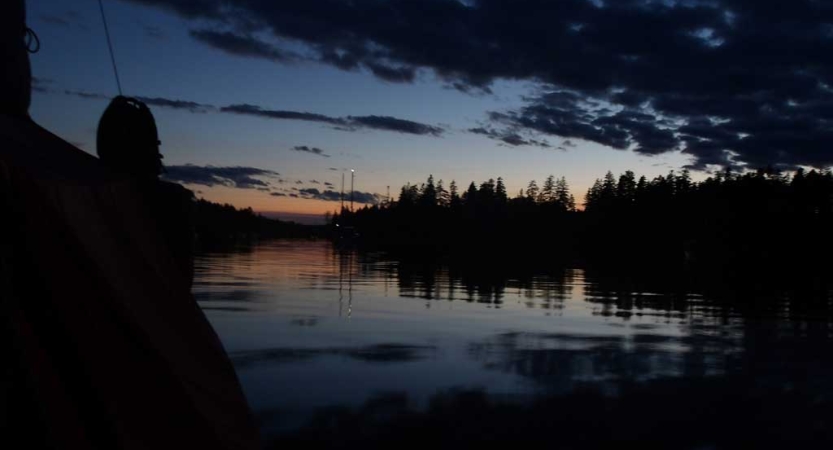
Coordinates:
(309, 327)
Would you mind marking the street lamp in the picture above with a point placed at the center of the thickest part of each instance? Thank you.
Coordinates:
(352, 179)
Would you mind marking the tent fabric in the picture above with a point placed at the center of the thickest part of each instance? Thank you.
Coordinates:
(103, 335)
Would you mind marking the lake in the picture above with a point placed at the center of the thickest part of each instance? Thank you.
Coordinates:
(313, 331)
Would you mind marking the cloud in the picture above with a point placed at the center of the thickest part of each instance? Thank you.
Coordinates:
(232, 176)
(314, 181)
(508, 136)
(152, 101)
(313, 150)
(350, 123)
(756, 74)
(278, 194)
(333, 169)
(328, 184)
(394, 124)
(86, 95)
(333, 196)
(393, 74)
(242, 45)
(251, 110)
(176, 104)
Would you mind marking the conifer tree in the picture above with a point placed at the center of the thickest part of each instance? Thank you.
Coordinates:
(548, 190)
(532, 191)
(563, 196)
(500, 191)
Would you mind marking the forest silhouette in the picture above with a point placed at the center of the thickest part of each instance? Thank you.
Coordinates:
(729, 223)
(219, 225)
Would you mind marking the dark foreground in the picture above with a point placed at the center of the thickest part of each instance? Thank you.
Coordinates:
(686, 413)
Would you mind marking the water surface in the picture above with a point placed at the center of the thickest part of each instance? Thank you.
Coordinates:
(309, 327)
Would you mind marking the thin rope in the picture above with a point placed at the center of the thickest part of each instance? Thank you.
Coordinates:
(110, 45)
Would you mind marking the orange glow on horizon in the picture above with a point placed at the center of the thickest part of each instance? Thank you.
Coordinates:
(264, 202)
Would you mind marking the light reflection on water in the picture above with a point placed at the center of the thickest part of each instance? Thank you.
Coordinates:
(309, 327)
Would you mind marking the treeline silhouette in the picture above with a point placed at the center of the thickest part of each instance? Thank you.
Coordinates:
(220, 224)
(745, 222)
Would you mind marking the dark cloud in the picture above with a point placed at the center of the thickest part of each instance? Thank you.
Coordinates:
(86, 95)
(333, 169)
(314, 181)
(508, 136)
(328, 184)
(234, 176)
(761, 72)
(176, 104)
(278, 194)
(333, 196)
(394, 124)
(350, 123)
(252, 110)
(393, 74)
(152, 101)
(313, 150)
(241, 45)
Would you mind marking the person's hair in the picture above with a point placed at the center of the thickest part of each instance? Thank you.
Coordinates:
(15, 75)
(127, 139)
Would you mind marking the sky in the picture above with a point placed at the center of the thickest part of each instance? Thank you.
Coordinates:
(267, 104)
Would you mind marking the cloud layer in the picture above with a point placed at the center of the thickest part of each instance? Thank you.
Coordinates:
(176, 104)
(313, 150)
(234, 176)
(724, 81)
(349, 123)
(365, 198)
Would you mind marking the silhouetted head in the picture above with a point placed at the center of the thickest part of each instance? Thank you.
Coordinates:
(127, 139)
(16, 75)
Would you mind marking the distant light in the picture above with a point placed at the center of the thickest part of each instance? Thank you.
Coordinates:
(352, 170)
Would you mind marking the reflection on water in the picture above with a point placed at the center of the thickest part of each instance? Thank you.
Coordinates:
(310, 329)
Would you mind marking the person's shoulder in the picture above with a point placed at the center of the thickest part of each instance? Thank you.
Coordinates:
(31, 149)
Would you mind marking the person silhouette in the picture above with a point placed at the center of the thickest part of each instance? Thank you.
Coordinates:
(16, 76)
(103, 344)
(128, 143)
